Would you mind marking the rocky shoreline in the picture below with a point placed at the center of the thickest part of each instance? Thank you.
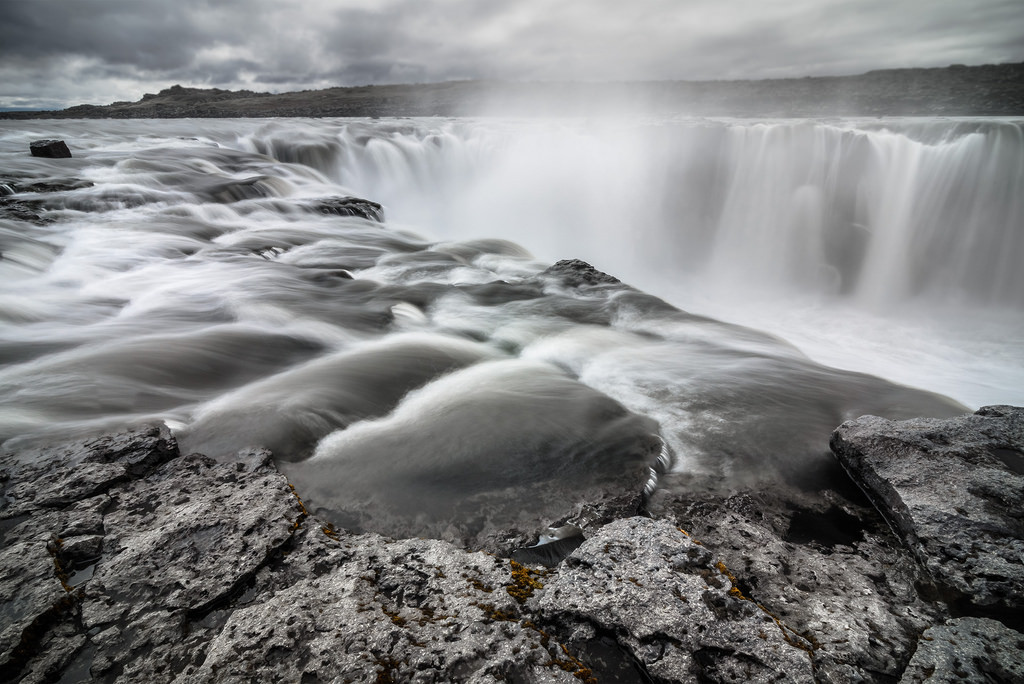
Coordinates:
(125, 560)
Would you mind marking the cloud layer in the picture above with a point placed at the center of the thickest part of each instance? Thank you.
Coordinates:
(55, 53)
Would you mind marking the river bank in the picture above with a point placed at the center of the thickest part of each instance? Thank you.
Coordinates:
(125, 560)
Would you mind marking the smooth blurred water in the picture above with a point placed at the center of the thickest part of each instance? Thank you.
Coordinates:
(410, 373)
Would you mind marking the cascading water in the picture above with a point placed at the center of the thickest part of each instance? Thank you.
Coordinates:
(428, 369)
(899, 234)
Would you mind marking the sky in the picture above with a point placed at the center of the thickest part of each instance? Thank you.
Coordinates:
(58, 53)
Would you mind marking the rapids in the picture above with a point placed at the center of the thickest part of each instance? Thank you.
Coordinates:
(429, 368)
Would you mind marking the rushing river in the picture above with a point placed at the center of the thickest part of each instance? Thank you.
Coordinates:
(427, 368)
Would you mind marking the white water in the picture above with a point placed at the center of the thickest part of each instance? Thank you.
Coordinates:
(195, 282)
(888, 247)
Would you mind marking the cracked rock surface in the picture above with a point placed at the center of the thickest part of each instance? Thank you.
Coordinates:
(954, 492)
(667, 599)
(123, 560)
(967, 649)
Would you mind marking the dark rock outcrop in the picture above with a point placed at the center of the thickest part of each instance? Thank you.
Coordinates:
(954, 492)
(967, 650)
(50, 149)
(673, 606)
(577, 273)
(351, 206)
(984, 90)
(123, 560)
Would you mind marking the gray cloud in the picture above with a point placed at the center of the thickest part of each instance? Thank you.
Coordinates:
(64, 52)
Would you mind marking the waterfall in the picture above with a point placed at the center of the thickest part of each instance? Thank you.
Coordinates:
(869, 212)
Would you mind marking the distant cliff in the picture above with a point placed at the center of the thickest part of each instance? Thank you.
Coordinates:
(990, 90)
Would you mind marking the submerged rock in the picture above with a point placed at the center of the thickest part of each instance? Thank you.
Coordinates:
(351, 206)
(51, 149)
(954, 492)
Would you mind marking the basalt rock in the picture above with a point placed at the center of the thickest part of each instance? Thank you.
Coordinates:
(123, 560)
(823, 562)
(577, 273)
(671, 607)
(967, 650)
(954, 492)
(351, 206)
(50, 149)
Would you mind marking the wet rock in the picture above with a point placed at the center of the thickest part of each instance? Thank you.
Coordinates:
(577, 273)
(186, 536)
(32, 597)
(825, 563)
(50, 149)
(672, 606)
(130, 562)
(53, 477)
(351, 206)
(367, 608)
(967, 650)
(954, 492)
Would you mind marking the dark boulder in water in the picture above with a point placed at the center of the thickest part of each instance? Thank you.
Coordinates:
(967, 649)
(50, 149)
(575, 273)
(351, 206)
(954, 491)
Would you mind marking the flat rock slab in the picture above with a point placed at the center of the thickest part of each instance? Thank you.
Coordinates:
(673, 606)
(954, 492)
(967, 650)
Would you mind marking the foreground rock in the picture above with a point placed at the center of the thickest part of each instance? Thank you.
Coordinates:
(125, 561)
(50, 149)
(350, 206)
(967, 649)
(954, 492)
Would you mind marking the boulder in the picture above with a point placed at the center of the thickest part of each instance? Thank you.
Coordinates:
(670, 606)
(954, 492)
(577, 273)
(351, 206)
(50, 149)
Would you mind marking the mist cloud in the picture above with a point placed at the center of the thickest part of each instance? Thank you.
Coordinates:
(63, 52)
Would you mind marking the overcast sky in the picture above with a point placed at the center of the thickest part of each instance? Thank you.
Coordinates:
(56, 53)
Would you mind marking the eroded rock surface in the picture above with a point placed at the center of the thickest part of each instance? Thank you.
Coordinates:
(51, 149)
(954, 491)
(667, 601)
(967, 650)
(125, 561)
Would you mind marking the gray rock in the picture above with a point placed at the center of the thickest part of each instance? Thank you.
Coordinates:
(124, 561)
(32, 597)
(53, 477)
(967, 650)
(577, 273)
(954, 492)
(351, 206)
(367, 608)
(51, 149)
(666, 599)
(187, 535)
(826, 565)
